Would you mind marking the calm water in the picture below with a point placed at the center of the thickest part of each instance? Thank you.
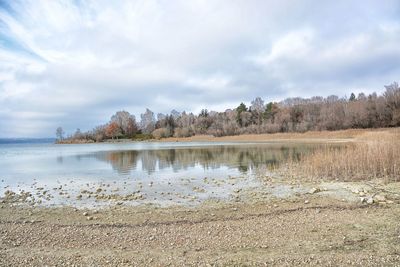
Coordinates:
(160, 171)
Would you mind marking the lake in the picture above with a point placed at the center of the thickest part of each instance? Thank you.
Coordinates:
(138, 173)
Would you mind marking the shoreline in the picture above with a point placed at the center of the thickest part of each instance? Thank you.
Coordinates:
(320, 230)
(285, 220)
(319, 227)
(347, 135)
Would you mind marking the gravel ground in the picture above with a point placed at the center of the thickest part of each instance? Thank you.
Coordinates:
(308, 230)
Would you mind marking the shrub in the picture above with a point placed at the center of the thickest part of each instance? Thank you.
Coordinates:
(142, 137)
(182, 132)
(161, 133)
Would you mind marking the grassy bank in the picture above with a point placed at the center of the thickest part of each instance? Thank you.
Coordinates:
(310, 136)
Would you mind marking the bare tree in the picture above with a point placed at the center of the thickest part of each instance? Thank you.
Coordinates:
(257, 105)
(126, 122)
(392, 96)
(175, 114)
(148, 122)
(257, 109)
(292, 114)
(60, 133)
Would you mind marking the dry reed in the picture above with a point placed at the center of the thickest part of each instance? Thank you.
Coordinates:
(373, 155)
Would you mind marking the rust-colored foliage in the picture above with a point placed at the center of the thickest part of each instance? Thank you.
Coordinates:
(112, 130)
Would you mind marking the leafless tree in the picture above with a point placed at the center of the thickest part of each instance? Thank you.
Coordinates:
(292, 114)
(60, 133)
(126, 122)
(147, 122)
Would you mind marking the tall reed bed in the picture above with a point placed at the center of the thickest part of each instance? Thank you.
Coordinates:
(372, 155)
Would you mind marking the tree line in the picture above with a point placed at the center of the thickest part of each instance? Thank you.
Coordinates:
(290, 115)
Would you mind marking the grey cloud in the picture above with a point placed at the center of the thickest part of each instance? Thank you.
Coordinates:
(81, 62)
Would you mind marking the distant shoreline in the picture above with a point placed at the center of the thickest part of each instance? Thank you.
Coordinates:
(4, 141)
(311, 136)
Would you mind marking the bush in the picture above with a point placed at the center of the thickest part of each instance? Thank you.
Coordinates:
(142, 137)
(161, 133)
(182, 132)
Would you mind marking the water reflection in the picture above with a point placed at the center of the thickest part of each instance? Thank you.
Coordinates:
(243, 158)
(164, 174)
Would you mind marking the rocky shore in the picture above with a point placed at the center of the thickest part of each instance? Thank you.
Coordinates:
(314, 228)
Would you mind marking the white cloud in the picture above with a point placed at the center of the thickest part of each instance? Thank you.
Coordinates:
(82, 60)
(293, 45)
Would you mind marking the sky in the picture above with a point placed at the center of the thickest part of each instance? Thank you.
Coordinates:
(75, 63)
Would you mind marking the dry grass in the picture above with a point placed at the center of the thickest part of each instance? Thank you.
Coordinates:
(341, 135)
(375, 154)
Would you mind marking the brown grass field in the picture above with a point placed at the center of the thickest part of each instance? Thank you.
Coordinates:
(341, 135)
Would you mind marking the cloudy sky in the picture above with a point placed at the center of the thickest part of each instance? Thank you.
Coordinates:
(74, 63)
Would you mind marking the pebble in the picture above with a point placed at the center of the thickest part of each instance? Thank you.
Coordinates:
(380, 198)
(314, 190)
(306, 201)
(355, 191)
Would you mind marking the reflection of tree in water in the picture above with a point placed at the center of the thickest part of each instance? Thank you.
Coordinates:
(244, 158)
(121, 161)
(149, 162)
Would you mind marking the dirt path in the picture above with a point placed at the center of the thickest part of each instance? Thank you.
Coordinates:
(324, 232)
